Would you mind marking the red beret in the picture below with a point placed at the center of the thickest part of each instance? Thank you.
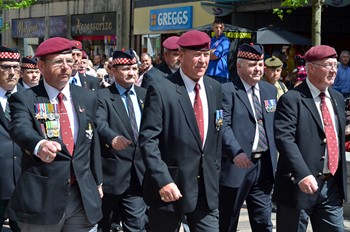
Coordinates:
(53, 46)
(320, 52)
(7, 54)
(171, 43)
(76, 44)
(194, 40)
(84, 55)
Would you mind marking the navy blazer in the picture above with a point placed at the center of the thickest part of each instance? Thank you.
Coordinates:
(171, 145)
(42, 192)
(112, 120)
(239, 129)
(300, 140)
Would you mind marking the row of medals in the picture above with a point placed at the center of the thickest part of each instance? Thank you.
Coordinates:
(51, 118)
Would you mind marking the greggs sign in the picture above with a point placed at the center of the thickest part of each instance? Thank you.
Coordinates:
(171, 18)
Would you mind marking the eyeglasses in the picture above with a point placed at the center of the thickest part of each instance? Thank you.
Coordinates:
(328, 66)
(60, 62)
(8, 68)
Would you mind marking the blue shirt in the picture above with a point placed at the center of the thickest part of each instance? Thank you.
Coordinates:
(219, 67)
(342, 80)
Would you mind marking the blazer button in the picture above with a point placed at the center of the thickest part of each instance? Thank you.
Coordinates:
(319, 174)
(198, 177)
(322, 158)
(324, 140)
(68, 181)
(292, 178)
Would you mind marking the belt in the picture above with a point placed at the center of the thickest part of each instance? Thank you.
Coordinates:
(326, 176)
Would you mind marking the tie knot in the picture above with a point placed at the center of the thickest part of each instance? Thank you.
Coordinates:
(128, 92)
(8, 94)
(197, 87)
(60, 97)
(322, 95)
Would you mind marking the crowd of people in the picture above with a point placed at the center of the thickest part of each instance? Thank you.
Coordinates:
(152, 147)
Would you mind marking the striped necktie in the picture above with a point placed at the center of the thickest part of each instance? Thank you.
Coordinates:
(132, 117)
(7, 107)
(262, 144)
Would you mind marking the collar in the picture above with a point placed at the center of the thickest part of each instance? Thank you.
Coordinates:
(315, 92)
(248, 87)
(53, 92)
(189, 83)
(3, 92)
(122, 90)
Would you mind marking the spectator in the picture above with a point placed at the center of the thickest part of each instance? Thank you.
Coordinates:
(342, 80)
(273, 70)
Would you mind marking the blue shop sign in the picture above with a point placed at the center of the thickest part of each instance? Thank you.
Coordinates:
(171, 18)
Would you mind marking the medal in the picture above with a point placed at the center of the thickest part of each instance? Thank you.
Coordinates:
(218, 119)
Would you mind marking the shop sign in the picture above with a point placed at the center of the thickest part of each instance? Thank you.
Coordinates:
(28, 28)
(94, 24)
(171, 18)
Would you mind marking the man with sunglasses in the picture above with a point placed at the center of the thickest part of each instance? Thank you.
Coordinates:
(10, 155)
(60, 185)
(311, 178)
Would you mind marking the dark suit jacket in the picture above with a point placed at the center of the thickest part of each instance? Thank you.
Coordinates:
(171, 145)
(152, 76)
(10, 157)
(239, 129)
(113, 120)
(164, 68)
(300, 140)
(89, 82)
(42, 192)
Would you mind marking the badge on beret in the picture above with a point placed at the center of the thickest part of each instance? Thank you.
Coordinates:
(219, 116)
(270, 105)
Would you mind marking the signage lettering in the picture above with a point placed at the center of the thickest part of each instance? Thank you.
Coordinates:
(171, 18)
(94, 24)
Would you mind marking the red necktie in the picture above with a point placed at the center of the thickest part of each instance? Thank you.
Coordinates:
(198, 111)
(66, 132)
(332, 146)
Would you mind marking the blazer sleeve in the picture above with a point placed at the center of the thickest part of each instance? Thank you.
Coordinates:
(230, 144)
(22, 127)
(150, 131)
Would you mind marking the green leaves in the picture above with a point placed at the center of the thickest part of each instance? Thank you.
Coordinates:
(13, 4)
(290, 5)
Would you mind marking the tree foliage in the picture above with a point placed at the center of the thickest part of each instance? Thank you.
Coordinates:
(13, 4)
(289, 6)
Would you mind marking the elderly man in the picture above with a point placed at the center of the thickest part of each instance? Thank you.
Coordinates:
(342, 80)
(249, 152)
(273, 70)
(118, 121)
(30, 74)
(60, 185)
(171, 56)
(311, 176)
(148, 73)
(180, 139)
(11, 154)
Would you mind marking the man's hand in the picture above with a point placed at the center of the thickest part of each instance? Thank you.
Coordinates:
(242, 161)
(120, 143)
(170, 193)
(48, 151)
(308, 185)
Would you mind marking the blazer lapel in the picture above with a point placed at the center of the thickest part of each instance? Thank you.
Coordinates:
(120, 110)
(211, 109)
(308, 100)
(187, 108)
(242, 94)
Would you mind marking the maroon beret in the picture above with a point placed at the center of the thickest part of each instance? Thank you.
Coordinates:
(54, 45)
(194, 40)
(29, 63)
(84, 55)
(171, 43)
(251, 51)
(320, 52)
(7, 54)
(76, 44)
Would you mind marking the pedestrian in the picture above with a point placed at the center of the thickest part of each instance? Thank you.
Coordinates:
(11, 154)
(273, 70)
(171, 61)
(180, 140)
(30, 74)
(219, 51)
(342, 80)
(60, 185)
(249, 151)
(148, 73)
(311, 177)
(118, 121)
